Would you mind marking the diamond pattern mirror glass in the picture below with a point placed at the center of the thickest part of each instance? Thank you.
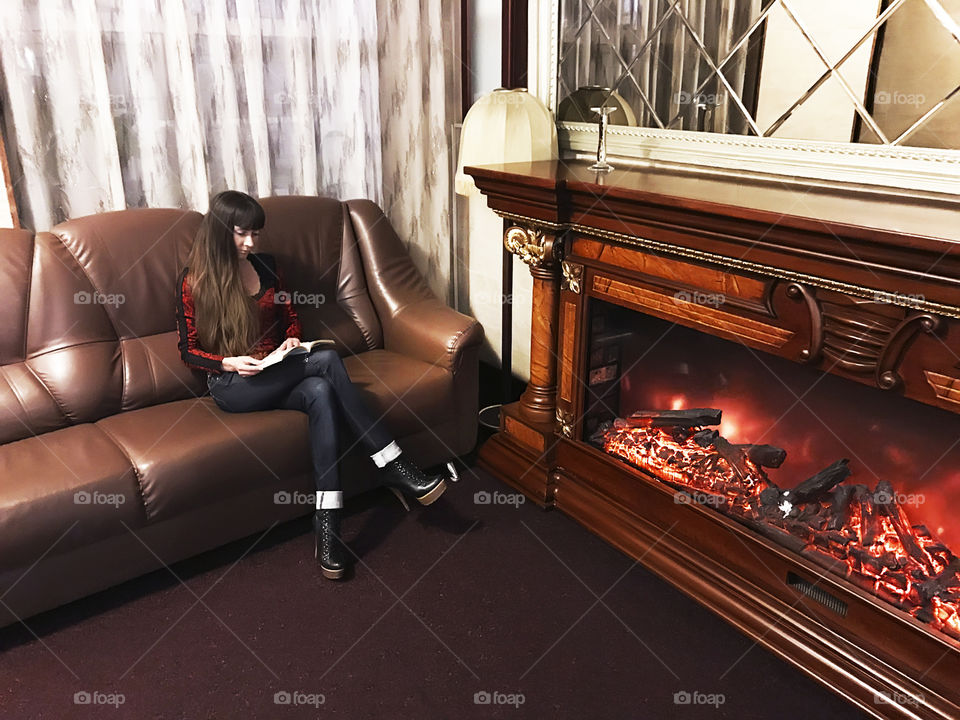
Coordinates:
(870, 71)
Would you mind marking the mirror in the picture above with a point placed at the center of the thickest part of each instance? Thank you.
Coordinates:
(867, 71)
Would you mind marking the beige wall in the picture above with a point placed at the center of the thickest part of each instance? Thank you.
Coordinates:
(481, 295)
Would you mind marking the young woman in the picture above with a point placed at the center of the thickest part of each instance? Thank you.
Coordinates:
(230, 315)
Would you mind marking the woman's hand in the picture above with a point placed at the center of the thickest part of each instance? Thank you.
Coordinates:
(288, 343)
(241, 364)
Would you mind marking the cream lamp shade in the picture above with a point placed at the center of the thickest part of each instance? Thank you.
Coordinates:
(504, 126)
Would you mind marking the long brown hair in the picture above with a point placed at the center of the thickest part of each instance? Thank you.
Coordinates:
(226, 317)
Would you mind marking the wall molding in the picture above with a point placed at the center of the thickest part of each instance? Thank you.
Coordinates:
(543, 38)
(806, 162)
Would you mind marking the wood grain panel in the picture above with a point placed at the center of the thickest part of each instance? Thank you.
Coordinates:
(676, 271)
(523, 434)
(544, 331)
(691, 314)
(567, 350)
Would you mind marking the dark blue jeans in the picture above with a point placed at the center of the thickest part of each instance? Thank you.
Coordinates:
(318, 385)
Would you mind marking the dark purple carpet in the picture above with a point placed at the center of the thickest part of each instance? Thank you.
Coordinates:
(450, 604)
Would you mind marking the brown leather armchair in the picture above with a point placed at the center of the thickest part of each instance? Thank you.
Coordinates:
(114, 461)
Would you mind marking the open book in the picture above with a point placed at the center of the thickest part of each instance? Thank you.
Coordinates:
(302, 349)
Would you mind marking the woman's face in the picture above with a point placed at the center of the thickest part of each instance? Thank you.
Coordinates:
(244, 240)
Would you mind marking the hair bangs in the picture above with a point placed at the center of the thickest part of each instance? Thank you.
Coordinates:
(249, 215)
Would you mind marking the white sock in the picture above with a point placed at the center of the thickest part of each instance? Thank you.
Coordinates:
(390, 452)
(329, 499)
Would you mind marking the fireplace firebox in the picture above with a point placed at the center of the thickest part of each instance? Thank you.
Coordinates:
(762, 408)
(856, 481)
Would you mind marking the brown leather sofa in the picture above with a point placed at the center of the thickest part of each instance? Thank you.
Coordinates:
(113, 459)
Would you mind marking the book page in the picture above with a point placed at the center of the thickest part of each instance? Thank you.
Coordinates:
(277, 356)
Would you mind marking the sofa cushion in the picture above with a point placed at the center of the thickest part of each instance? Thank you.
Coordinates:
(63, 490)
(189, 452)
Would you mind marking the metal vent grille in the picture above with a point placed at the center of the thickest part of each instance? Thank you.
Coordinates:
(817, 594)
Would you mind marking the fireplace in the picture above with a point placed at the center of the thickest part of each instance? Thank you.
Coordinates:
(762, 408)
(858, 482)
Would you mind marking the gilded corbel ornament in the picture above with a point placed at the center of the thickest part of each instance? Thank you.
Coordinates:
(572, 276)
(532, 246)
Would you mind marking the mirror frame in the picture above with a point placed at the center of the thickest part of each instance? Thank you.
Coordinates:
(896, 170)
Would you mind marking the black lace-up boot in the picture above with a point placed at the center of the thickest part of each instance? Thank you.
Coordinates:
(407, 480)
(328, 549)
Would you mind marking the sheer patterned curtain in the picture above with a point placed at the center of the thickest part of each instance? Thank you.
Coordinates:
(160, 103)
(419, 100)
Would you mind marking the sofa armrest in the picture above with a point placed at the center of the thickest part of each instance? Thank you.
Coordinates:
(414, 321)
(430, 331)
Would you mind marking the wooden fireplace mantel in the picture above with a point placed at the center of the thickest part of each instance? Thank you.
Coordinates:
(859, 242)
(865, 285)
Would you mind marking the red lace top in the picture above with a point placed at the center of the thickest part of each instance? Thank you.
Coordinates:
(278, 319)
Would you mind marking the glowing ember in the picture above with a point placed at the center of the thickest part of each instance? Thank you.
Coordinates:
(847, 528)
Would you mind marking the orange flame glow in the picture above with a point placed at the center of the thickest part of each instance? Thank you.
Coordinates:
(873, 538)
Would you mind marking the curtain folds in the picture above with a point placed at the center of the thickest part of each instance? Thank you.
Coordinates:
(419, 100)
(158, 103)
